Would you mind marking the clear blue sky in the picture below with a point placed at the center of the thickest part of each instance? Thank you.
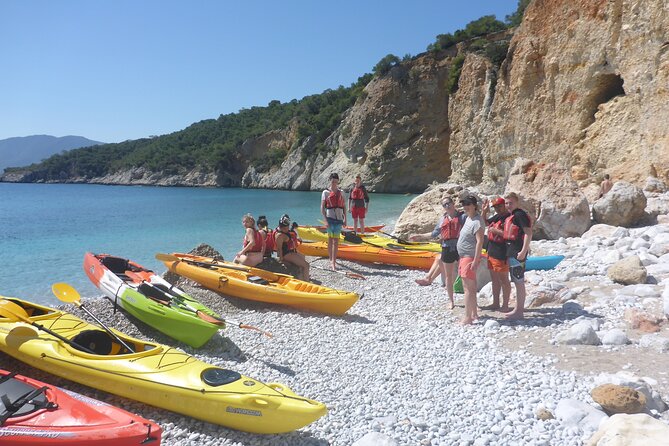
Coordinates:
(125, 69)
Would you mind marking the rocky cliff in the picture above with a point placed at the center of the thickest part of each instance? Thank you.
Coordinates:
(585, 84)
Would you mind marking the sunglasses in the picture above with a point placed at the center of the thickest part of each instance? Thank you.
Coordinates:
(446, 205)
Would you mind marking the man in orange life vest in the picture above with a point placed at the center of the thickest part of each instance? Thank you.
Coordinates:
(333, 208)
(497, 259)
(517, 235)
(358, 203)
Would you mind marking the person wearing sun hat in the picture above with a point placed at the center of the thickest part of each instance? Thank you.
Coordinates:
(497, 259)
(470, 244)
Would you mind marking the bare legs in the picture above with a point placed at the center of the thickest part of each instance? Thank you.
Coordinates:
(500, 283)
(435, 270)
(518, 312)
(249, 259)
(471, 310)
(448, 270)
(298, 260)
(333, 248)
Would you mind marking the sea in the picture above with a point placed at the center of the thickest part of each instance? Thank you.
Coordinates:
(45, 229)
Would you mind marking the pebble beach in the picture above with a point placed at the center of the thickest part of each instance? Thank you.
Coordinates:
(399, 369)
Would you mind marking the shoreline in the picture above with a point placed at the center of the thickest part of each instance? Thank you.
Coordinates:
(398, 364)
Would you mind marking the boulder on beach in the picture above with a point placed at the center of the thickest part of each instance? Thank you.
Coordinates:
(575, 413)
(665, 297)
(642, 320)
(624, 205)
(203, 250)
(375, 439)
(423, 212)
(654, 184)
(581, 333)
(618, 399)
(644, 385)
(628, 271)
(548, 192)
(603, 230)
(630, 430)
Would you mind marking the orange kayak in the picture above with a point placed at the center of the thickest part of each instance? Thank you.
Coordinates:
(372, 254)
(376, 228)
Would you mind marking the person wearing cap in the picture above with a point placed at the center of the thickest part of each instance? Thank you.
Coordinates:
(286, 247)
(253, 244)
(517, 235)
(447, 230)
(358, 203)
(470, 244)
(333, 208)
(497, 259)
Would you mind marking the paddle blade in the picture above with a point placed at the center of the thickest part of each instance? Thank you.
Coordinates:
(209, 318)
(65, 292)
(167, 258)
(353, 275)
(352, 238)
(13, 312)
(251, 327)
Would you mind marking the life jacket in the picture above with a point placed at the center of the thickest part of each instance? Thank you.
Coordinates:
(257, 239)
(495, 237)
(294, 238)
(335, 200)
(358, 193)
(450, 228)
(512, 232)
(288, 246)
(270, 242)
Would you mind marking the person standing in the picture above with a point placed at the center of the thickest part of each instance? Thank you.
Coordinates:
(253, 244)
(286, 247)
(497, 259)
(470, 244)
(333, 208)
(448, 230)
(358, 203)
(517, 235)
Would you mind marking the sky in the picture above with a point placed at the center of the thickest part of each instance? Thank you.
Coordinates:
(126, 69)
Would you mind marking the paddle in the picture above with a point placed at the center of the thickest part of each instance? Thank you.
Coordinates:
(67, 293)
(173, 258)
(351, 237)
(399, 239)
(174, 298)
(15, 313)
(350, 274)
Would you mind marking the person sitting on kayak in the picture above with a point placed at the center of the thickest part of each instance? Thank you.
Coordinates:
(293, 234)
(448, 231)
(333, 208)
(268, 235)
(358, 203)
(286, 247)
(253, 244)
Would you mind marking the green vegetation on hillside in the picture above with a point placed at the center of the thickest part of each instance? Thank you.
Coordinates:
(213, 143)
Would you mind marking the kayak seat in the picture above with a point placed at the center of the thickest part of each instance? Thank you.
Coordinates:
(117, 265)
(11, 391)
(257, 279)
(154, 293)
(97, 341)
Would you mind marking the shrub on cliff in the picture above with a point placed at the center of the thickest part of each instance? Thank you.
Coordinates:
(454, 73)
(385, 64)
(517, 17)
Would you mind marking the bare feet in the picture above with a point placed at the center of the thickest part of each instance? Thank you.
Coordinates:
(452, 304)
(466, 321)
(333, 266)
(505, 309)
(423, 282)
(514, 315)
(491, 307)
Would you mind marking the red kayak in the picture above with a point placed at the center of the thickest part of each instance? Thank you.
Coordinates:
(35, 413)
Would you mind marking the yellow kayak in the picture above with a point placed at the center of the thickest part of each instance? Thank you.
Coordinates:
(155, 374)
(372, 254)
(259, 285)
(315, 234)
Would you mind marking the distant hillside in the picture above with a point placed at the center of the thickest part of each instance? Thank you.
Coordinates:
(24, 150)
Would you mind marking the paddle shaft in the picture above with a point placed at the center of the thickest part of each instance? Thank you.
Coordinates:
(80, 305)
(62, 338)
(346, 273)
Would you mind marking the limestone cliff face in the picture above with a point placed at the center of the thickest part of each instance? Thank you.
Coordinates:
(585, 83)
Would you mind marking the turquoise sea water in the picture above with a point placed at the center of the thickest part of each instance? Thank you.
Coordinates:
(45, 229)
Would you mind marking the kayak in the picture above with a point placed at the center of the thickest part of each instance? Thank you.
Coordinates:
(151, 299)
(155, 374)
(350, 228)
(315, 234)
(532, 263)
(372, 254)
(260, 285)
(36, 413)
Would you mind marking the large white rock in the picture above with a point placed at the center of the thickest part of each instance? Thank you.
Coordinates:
(628, 271)
(655, 341)
(602, 230)
(575, 413)
(615, 336)
(665, 297)
(623, 205)
(375, 439)
(653, 399)
(581, 333)
(631, 430)
(655, 185)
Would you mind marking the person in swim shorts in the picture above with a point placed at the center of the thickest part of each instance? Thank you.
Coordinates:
(497, 259)
(333, 208)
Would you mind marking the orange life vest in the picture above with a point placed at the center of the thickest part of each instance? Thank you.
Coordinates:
(335, 200)
(290, 245)
(512, 232)
(258, 242)
(270, 243)
(493, 237)
(450, 228)
(357, 193)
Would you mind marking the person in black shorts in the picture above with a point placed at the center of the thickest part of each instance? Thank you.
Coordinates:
(517, 235)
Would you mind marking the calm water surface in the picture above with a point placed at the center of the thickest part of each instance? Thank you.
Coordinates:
(45, 229)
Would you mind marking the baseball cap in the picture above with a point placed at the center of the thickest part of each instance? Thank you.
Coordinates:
(498, 201)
